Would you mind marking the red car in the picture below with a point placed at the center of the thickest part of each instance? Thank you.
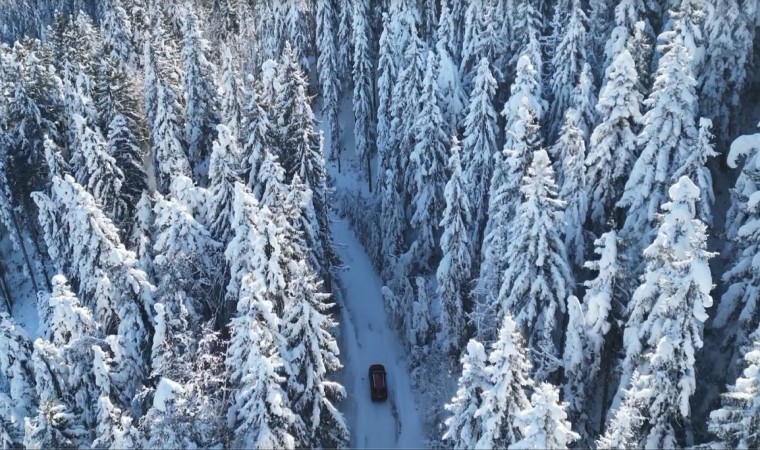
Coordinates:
(377, 383)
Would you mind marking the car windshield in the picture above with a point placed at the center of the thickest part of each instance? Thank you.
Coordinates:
(378, 380)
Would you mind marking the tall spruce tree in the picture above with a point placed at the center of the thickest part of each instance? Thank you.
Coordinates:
(454, 270)
(664, 327)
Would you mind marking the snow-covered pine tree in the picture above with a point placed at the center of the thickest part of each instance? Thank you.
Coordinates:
(427, 167)
(55, 425)
(729, 46)
(327, 68)
(16, 367)
(344, 36)
(575, 356)
(567, 63)
(599, 27)
(603, 304)
(114, 429)
(695, 167)
(664, 327)
(97, 171)
(230, 91)
(106, 272)
(260, 411)
(117, 36)
(527, 28)
(184, 248)
(201, 109)
(223, 173)
(140, 238)
(735, 422)
(363, 77)
(245, 249)
(454, 99)
(465, 427)
(256, 137)
(668, 134)
(544, 424)
(124, 147)
(509, 382)
(585, 101)
(511, 165)
(169, 155)
(737, 312)
(479, 145)
(570, 153)
(301, 150)
(418, 325)
(454, 270)
(538, 278)
(78, 98)
(612, 146)
(312, 356)
(62, 317)
(480, 40)
(387, 72)
(301, 216)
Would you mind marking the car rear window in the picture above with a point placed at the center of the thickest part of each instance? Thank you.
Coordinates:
(378, 380)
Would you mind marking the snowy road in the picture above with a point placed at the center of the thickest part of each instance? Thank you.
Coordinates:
(367, 339)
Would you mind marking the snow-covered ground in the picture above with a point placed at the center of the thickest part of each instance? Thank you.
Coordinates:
(366, 338)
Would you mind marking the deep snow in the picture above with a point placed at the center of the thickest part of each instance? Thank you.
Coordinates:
(366, 339)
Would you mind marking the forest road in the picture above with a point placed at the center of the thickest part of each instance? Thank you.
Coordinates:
(366, 339)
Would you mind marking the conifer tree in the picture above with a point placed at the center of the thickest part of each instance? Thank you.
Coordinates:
(544, 424)
(509, 379)
(184, 248)
(387, 72)
(737, 313)
(62, 317)
(585, 100)
(695, 168)
(260, 413)
(256, 138)
(168, 149)
(299, 143)
(124, 147)
(201, 109)
(223, 173)
(117, 36)
(465, 427)
(510, 167)
(230, 90)
(602, 305)
(363, 78)
(575, 356)
(567, 62)
(453, 273)
(734, 423)
(16, 367)
(538, 278)
(327, 68)
(94, 255)
(479, 146)
(428, 168)
(570, 152)
(97, 170)
(613, 143)
(312, 357)
(668, 133)
(664, 327)
(729, 43)
(345, 35)
(452, 92)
